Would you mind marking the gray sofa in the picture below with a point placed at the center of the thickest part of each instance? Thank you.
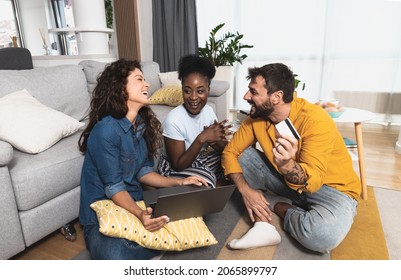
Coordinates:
(39, 193)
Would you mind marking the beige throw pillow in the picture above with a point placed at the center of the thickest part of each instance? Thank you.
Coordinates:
(30, 126)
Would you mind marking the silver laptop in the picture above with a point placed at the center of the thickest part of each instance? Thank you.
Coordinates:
(183, 202)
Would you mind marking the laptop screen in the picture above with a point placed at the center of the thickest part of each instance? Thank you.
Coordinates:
(183, 202)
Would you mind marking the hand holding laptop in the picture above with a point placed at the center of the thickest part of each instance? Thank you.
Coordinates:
(152, 223)
(149, 222)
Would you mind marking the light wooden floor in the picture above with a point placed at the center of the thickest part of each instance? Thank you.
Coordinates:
(382, 165)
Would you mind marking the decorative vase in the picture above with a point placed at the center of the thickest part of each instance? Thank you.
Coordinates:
(47, 50)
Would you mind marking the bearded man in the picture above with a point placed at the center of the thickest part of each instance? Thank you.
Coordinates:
(309, 182)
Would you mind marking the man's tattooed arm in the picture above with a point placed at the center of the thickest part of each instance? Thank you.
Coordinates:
(294, 173)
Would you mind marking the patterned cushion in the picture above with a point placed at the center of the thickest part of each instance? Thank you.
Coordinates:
(168, 95)
(175, 236)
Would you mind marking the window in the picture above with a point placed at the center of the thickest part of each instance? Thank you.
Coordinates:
(335, 46)
(10, 27)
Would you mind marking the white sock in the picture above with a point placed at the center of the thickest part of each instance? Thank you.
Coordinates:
(261, 234)
(273, 199)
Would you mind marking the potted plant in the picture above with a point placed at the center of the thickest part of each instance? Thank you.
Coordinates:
(226, 50)
(298, 82)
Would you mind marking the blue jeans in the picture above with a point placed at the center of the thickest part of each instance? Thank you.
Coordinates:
(103, 247)
(319, 221)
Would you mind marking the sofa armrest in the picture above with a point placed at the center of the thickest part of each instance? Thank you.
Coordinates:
(218, 88)
(11, 239)
(6, 153)
(219, 96)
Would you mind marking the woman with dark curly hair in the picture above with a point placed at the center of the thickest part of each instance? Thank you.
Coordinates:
(193, 137)
(120, 141)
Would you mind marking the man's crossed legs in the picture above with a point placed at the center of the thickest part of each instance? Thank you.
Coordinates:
(319, 221)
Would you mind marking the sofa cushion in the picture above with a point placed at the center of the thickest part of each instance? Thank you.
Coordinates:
(151, 72)
(169, 79)
(6, 153)
(30, 126)
(92, 69)
(161, 111)
(62, 87)
(218, 88)
(168, 95)
(39, 178)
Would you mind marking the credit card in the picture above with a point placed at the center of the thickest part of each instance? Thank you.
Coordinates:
(286, 127)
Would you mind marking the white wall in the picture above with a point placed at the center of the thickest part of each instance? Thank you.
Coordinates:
(333, 45)
(145, 29)
(33, 17)
(210, 13)
(33, 14)
(276, 36)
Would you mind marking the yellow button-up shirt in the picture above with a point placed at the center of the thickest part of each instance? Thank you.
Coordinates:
(322, 153)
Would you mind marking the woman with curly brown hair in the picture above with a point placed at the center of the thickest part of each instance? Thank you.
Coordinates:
(120, 142)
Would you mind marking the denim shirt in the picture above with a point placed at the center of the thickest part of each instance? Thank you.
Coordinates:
(115, 159)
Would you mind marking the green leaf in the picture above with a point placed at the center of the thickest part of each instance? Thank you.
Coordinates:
(224, 50)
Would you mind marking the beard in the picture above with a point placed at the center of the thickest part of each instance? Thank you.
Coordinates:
(263, 111)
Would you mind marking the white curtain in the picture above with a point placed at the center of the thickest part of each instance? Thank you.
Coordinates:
(333, 45)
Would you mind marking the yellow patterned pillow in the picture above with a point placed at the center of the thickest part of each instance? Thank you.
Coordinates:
(179, 235)
(168, 95)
